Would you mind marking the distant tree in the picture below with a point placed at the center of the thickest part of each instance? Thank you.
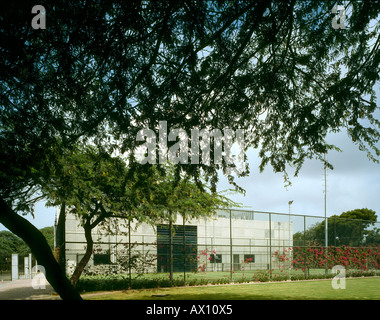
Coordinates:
(48, 233)
(359, 214)
(10, 243)
(372, 237)
(349, 228)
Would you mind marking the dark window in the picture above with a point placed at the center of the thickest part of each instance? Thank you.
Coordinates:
(216, 258)
(102, 259)
(184, 253)
(249, 258)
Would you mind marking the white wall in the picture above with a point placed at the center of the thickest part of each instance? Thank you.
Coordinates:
(248, 237)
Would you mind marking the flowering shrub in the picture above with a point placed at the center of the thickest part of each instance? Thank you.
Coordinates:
(354, 258)
(358, 261)
(204, 257)
(282, 258)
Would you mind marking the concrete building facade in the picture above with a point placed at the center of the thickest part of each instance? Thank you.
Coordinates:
(231, 239)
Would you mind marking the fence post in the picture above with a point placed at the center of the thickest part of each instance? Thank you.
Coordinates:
(230, 245)
(170, 248)
(270, 245)
(304, 240)
(184, 248)
(129, 253)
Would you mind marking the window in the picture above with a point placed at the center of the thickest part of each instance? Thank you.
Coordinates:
(102, 259)
(184, 252)
(216, 258)
(249, 258)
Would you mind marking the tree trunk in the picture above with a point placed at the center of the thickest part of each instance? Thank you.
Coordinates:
(83, 262)
(41, 250)
(88, 226)
(60, 239)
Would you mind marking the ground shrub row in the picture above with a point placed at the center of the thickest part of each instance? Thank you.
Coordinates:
(123, 282)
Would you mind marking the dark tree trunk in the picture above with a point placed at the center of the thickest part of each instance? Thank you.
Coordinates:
(41, 250)
(83, 262)
(88, 226)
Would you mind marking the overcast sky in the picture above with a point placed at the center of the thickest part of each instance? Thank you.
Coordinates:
(354, 183)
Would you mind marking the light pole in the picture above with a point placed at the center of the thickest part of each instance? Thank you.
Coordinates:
(289, 203)
(326, 231)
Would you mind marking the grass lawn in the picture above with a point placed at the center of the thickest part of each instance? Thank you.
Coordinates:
(356, 289)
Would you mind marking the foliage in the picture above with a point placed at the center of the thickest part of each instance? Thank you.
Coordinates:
(48, 233)
(355, 258)
(128, 260)
(204, 64)
(10, 243)
(350, 228)
(121, 282)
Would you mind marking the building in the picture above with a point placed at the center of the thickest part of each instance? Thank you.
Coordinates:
(232, 239)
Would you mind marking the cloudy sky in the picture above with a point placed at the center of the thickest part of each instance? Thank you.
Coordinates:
(354, 183)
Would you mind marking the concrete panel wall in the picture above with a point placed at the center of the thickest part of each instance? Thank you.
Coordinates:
(249, 237)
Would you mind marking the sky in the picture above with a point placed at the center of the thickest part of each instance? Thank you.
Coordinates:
(354, 183)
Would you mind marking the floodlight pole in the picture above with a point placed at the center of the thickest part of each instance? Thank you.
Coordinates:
(290, 203)
(326, 238)
(326, 231)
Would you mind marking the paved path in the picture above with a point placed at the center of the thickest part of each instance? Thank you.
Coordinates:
(23, 290)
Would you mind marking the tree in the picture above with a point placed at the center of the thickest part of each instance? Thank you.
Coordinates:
(105, 70)
(9, 243)
(90, 185)
(349, 228)
(173, 195)
(373, 237)
(95, 186)
(48, 233)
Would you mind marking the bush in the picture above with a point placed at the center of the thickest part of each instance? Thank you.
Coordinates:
(122, 282)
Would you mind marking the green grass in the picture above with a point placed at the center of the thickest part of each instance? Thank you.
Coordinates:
(356, 289)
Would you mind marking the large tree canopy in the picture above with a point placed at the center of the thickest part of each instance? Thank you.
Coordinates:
(105, 69)
(277, 69)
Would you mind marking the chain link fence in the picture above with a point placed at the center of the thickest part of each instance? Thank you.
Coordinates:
(235, 244)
